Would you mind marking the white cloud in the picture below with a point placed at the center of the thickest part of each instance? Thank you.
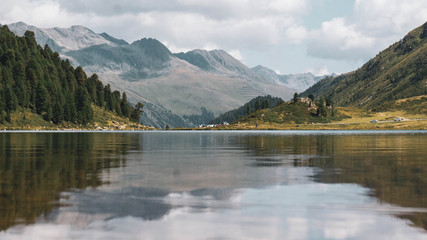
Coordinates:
(41, 14)
(374, 25)
(288, 6)
(380, 17)
(321, 70)
(296, 34)
(192, 30)
(252, 27)
(175, 49)
(229, 24)
(338, 40)
(237, 55)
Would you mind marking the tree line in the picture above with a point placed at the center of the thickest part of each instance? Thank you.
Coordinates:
(37, 78)
(255, 104)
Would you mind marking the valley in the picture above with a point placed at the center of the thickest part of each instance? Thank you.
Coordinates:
(183, 90)
(171, 86)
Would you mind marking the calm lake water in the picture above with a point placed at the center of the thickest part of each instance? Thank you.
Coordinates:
(213, 185)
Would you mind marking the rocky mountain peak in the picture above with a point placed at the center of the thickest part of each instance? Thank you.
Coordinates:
(64, 39)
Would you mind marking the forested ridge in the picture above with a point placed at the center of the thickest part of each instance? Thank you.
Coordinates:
(36, 78)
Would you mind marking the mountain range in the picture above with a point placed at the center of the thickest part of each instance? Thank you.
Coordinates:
(394, 80)
(173, 87)
(299, 81)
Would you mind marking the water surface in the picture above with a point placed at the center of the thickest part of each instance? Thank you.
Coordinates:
(213, 185)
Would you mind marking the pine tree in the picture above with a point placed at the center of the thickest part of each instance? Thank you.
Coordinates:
(321, 110)
(257, 105)
(70, 111)
(91, 88)
(136, 112)
(328, 102)
(108, 98)
(265, 104)
(125, 106)
(37, 78)
(83, 106)
(100, 93)
(10, 99)
(80, 76)
(58, 113)
(42, 99)
(30, 39)
(116, 101)
(295, 99)
(8, 118)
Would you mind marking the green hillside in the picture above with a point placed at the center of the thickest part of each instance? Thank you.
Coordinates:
(37, 79)
(261, 102)
(303, 111)
(398, 72)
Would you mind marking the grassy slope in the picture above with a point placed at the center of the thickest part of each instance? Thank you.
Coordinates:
(399, 71)
(288, 113)
(412, 111)
(410, 122)
(24, 119)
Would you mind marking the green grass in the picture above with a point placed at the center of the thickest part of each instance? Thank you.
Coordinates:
(413, 105)
(25, 119)
(350, 119)
(397, 72)
(289, 112)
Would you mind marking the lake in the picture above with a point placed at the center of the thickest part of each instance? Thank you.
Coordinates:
(213, 185)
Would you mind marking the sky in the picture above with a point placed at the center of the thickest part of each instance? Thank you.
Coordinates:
(288, 36)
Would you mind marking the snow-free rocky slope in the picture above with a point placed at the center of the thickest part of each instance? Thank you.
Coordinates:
(172, 86)
(66, 39)
(299, 82)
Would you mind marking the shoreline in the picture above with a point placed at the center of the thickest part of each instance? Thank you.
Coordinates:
(211, 130)
(356, 124)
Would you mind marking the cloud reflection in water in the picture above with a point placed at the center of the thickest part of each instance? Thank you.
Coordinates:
(320, 211)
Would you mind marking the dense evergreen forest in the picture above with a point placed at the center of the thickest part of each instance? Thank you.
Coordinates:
(37, 78)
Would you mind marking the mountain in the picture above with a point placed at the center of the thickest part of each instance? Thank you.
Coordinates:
(218, 61)
(185, 89)
(299, 82)
(36, 80)
(180, 85)
(62, 40)
(145, 58)
(398, 72)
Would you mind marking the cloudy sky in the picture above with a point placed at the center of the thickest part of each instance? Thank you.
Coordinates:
(289, 36)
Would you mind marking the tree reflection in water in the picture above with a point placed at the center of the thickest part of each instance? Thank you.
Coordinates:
(394, 166)
(36, 167)
(206, 168)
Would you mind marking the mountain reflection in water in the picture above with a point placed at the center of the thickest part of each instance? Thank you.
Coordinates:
(246, 184)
